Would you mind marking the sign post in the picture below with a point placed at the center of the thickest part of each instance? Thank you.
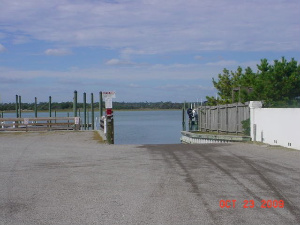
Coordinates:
(108, 96)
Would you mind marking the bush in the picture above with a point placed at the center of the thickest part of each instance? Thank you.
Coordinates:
(246, 126)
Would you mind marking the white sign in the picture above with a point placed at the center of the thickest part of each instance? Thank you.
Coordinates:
(26, 120)
(108, 103)
(77, 120)
(108, 94)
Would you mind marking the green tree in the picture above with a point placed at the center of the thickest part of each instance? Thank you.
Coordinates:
(277, 84)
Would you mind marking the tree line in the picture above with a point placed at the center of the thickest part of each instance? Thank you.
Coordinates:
(116, 105)
(277, 84)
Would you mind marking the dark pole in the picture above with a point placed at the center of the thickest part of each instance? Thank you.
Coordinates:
(49, 106)
(20, 106)
(100, 104)
(84, 110)
(92, 109)
(17, 106)
(183, 119)
(35, 107)
(75, 104)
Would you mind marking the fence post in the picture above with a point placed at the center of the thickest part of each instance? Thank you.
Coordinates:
(218, 119)
(84, 111)
(237, 118)
(226, 118)
(75, 104)
(92, 109)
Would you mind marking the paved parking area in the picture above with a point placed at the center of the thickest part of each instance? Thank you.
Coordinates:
(69, 178)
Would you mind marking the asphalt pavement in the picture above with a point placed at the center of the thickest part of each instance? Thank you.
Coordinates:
(71, 178)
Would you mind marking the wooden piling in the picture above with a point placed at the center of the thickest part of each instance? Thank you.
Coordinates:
(92, 109)
(17, 106)
(84, 111)
(20, 107)
(50, 105)
(100, 104)
(75, 104)
(35, 107)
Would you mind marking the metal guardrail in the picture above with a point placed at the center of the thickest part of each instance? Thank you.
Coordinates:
(40, 124)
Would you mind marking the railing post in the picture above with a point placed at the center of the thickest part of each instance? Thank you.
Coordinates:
(92, 109)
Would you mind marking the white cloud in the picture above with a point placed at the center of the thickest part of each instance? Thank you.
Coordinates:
(155, 26)
(198, 57)
(2, 48)
(114, 62)
(223, 63)
(58, 52)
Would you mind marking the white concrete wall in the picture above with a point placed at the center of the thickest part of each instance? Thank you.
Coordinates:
(276, 126)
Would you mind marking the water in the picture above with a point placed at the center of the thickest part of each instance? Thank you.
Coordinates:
(135, 127)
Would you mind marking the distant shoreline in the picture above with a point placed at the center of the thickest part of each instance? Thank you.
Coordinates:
(81, 110)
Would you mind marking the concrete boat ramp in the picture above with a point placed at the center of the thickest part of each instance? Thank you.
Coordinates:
(71, 178)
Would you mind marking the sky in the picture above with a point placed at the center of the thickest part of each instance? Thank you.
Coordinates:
(144, 50)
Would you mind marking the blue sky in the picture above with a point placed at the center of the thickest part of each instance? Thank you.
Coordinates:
(146, 50)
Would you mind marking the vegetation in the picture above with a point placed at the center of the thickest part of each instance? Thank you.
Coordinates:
(246, 126)
(69, 106)
(277, 84)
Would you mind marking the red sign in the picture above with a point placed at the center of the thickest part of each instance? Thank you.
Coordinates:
(108, 112)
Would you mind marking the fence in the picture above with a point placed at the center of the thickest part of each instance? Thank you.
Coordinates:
(275, 126)
(223, 118)
(40, 124)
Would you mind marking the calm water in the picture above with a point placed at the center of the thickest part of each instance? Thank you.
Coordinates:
(137, 127)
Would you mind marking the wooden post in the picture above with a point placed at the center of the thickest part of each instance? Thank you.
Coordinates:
(20, 107)
(84, 111)
(237, 118)
(50, 106)
(226, 118)
(92, 109)
(35, 107)
(110, 130)
(100, 104)
(17, 106)
(75, 104)
(88, 119)
(68, 117)
(183, 119)
(218, 119)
